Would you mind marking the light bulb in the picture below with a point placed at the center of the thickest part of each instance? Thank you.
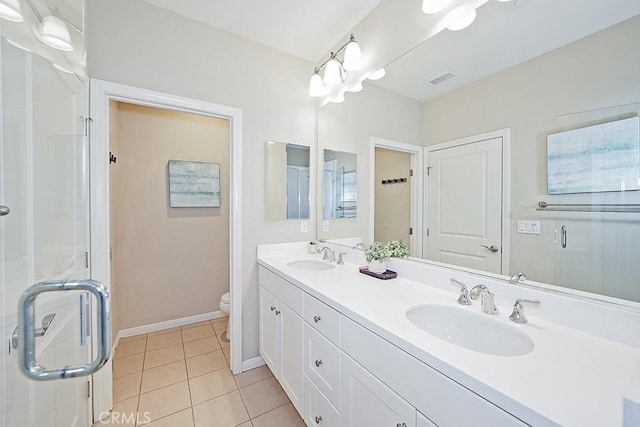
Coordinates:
(352, 56)
(332, 74)
(54, 33)
(377, 75)
(460, 18)
(316, 87)
(11, 10)
(434, 6)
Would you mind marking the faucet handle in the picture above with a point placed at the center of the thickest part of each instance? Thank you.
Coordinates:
(518, 277)
(340, 259)
(464, 294)
(518, 310)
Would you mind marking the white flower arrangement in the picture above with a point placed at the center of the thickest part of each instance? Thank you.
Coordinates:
(377, 251)
(398, 248)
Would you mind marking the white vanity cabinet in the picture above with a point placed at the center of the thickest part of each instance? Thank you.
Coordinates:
(281, 334)
(340, 374)
(368, 402)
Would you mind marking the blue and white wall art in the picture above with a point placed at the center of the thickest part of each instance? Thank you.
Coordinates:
(194, 184)
(594, 159)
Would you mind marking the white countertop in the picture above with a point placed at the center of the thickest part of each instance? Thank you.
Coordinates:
(571, 378)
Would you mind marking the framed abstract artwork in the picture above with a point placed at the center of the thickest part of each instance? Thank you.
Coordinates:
(194, 184)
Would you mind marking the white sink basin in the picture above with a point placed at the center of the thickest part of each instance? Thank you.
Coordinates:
(310, 265)
(473, 331)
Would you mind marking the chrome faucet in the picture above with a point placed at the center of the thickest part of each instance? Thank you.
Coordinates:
(329, 254)
(518, 310)
(487, 304)
(464, 293)
(359, 245)
(518, 277)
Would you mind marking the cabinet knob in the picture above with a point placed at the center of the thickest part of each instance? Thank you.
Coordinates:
(277, 312)
(318, 363)
(401, 425)
(318, 419)
(272, 308)
(316, 319)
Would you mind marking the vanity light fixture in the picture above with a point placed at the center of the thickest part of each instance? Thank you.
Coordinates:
(434, 6)
(11, 10)
(335, 70)
(460, 18)
(355, 88)
(54, 33)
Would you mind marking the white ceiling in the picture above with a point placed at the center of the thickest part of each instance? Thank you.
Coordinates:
(304, 28)
(504, 34)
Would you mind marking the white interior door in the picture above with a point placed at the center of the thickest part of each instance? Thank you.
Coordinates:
(464, 205)
(43, 183)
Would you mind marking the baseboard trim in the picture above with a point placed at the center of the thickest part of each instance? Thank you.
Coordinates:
(153, 327)
(252, 363)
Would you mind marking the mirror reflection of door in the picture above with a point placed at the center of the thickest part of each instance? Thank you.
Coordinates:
(392, 216)
(464, 205)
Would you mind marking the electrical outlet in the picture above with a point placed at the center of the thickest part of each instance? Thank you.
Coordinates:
(529, 227)
(325, 225)
(304, 226)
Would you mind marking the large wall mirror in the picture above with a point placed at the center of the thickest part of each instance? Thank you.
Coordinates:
(583, 72)
(287, 181)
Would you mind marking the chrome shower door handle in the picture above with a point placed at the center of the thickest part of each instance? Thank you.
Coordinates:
(492, 248)
(26, 337)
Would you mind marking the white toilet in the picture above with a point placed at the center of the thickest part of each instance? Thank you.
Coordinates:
(225, 302)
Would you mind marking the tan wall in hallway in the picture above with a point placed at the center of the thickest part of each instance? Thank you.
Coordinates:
(393, 201)
(171, 262)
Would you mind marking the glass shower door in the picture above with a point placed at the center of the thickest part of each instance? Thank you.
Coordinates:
(43, 236)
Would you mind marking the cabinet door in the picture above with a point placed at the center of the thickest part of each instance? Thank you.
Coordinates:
(269, 336)
(292, 356)
(366, 401)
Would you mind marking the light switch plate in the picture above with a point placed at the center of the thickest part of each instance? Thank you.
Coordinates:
(325, 225)
(529, 227)
(304, 226)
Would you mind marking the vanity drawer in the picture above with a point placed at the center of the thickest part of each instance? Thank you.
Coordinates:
(322, 364)
(323, 318)
(285, 291)
(318, 411)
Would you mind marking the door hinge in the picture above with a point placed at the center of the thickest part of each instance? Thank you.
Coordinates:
(87, 123)
(112, 157)
(86, 260)
(427, 232)
(410, 231)
(88, 390)
(410, 172)
(428, 170)
(110, 253)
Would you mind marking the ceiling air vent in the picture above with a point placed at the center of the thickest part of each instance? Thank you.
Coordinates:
(441, 79)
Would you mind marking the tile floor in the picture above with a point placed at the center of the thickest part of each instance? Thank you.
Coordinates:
(180, 377)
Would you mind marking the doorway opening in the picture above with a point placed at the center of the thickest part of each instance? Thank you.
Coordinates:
(396, 188)
(101, 96)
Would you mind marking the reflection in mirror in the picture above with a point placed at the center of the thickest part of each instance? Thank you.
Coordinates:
(586, 80)
(340, 183)
(287, 181)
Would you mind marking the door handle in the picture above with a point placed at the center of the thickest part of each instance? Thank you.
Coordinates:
(46, 322)
(492, 248)
(27, 334)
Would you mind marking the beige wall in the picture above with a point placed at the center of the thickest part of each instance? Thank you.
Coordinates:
(534, 99)
(393, 201)
(137, 44)
(170, 262)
